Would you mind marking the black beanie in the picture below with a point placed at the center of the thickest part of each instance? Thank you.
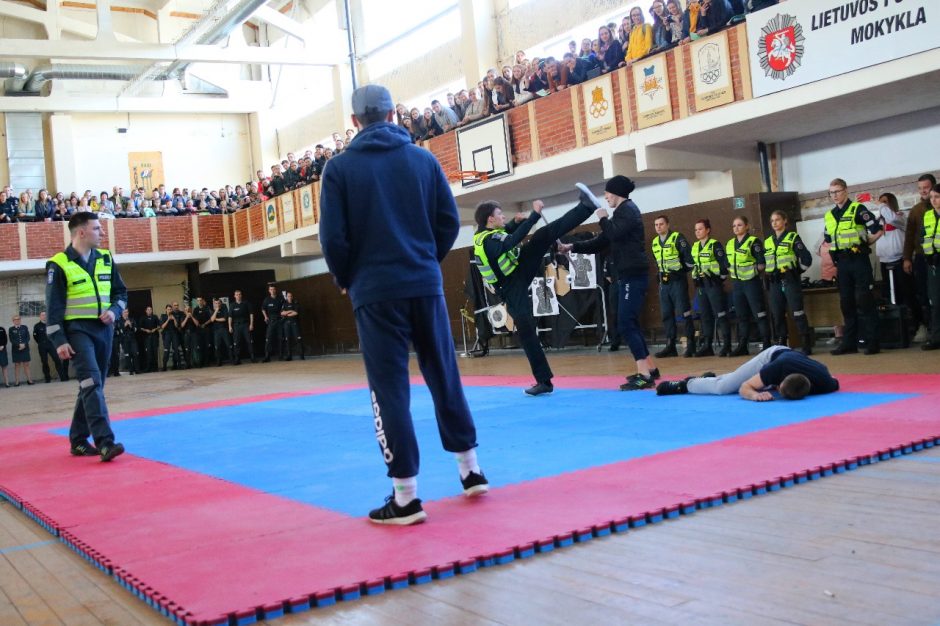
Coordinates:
(620, 186)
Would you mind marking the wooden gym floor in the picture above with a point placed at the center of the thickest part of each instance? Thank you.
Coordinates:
(858, 548)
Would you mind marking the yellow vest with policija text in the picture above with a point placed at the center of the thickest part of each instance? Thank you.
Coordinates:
(845, 233)
(508, 261)
(741, 263)
(667, 254)
(780, 256)
(706, 264)
(931, 242)
(87, 296)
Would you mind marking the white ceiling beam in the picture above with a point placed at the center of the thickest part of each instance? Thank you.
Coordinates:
(281, 22)
(113, 104)
(153, 52)
(53, 21)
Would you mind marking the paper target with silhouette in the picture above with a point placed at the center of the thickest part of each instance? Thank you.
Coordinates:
(484, 147)
(544, 299)
(583, 274)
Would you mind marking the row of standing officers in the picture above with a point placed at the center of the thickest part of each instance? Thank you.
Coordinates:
(196, 336)
(751, 263)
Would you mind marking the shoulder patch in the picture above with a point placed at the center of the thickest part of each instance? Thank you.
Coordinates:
(500, 236)
(50, 276)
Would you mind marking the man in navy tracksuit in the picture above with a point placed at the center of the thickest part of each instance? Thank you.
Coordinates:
(388, 218)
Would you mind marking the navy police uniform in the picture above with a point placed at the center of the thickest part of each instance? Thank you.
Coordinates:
(128, 333)
(290, 328)
(151, 341)
(786, 258)
(77, 324)
(201, 350)
(241, 315)
(846, 228)
(171, 339)
(47, 351)
(745, 257)
(673, 258)
(272, 335)
(221, 338)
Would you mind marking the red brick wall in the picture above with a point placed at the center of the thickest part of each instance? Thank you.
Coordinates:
(619, 109)
(211, 231)
(734, 50)
(241, 227)
(9, 242)
(555, 122)
(445, 149)
(673, 82)
(174, 233)
(43, 239)
(256, 218)
(133, 235)
(105, 237)
(520, 140)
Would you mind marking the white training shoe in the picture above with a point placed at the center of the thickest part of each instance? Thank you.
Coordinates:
(594, 199)
(921, 335)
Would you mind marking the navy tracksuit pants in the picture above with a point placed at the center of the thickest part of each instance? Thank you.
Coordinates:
(386, 331)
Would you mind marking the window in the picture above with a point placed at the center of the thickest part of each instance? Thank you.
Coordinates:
(384, 21)
(440, 93)
(431, 35)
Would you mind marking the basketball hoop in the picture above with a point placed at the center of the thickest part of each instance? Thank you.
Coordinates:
(469, 176)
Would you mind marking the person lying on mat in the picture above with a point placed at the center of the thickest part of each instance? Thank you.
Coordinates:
(791, 373)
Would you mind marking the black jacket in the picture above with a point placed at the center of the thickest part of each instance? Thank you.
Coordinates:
(622, 233)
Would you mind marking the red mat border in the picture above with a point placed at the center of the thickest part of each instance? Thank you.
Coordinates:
(328, 597)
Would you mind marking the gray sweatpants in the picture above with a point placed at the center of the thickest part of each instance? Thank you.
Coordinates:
(731, 382)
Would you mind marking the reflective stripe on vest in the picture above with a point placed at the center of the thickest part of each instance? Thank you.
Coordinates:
(87, 296)
(780, 255)
(507, 261)
(931, 240)
(704, 256)
(667, 254)
(741, 263)
(845, 234)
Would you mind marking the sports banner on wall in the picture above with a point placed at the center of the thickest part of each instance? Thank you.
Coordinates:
(711, 71)
(270, 217)
(287, 207)
(306, 205)
(802, 41)
(651, 91)
(598, 97)
(146, 170)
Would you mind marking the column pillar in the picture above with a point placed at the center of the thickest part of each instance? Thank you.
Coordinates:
(60, 152)
(478, 41)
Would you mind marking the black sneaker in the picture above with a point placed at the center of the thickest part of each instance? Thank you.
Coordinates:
(539, 389)
(395, 515)
(475, 484)
(638, 382)
(84, 449)
(843, 350)
(654, 373)
(741, 350)
(672, 388)
(709, 375)
(110, 451)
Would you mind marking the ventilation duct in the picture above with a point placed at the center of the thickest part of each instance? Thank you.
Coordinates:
(69, 71)
(13, 70)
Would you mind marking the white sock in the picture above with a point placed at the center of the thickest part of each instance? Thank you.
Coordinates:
(467, 462)
(406, 490)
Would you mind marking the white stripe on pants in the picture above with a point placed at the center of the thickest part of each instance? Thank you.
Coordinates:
(731, 382)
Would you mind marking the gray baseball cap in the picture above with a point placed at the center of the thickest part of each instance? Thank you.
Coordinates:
(371, 99)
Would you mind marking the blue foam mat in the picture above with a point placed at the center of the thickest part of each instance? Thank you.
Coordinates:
(303, 447)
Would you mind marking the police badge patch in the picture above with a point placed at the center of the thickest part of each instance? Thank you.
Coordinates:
(50, 276)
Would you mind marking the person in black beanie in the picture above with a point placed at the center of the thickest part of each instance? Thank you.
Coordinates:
(510, 267)
(622, 236)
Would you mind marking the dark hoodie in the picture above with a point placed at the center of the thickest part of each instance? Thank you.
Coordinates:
(387, 217)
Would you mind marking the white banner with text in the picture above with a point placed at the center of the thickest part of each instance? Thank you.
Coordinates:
(802, 41)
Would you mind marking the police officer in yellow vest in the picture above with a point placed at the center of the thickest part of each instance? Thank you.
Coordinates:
(930, 244)
(786, 258)
(709, 274)
(745, 261)
(851, 229)
(84, 296)
(510, 267)
(673, 257)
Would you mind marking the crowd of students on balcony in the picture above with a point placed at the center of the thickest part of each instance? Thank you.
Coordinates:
(669, 24)
(291, 173)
